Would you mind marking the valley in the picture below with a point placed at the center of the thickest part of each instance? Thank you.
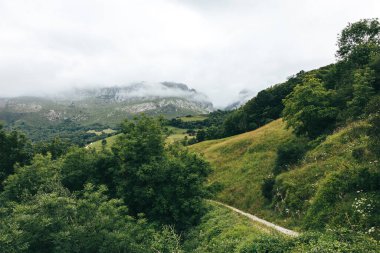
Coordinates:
(154, 167)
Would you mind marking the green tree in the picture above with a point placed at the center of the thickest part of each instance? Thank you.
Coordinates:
(363, 91)
(141, 140)
(201, 135)
(56, 147)
(78, 168)
(167, 184)
(358, 41)
(309, 109)
(61, 222)
(42, 174)
(14, 148)
(373, 114)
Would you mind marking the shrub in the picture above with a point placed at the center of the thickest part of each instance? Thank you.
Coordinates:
(334, 189)
(267, 187)
(289, 153)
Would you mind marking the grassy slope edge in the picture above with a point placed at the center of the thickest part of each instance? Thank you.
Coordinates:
(242, 162)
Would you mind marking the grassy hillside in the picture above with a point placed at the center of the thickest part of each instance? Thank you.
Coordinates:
(337, 183)
(98, 144)
(242, 162)
(221, 230)
(322, 189)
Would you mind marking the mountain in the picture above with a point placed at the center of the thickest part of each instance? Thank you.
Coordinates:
(243, 97)
(106, 105)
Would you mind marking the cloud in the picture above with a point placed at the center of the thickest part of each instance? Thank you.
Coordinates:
(217, 47)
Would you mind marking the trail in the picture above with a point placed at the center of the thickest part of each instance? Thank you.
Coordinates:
(257, 219)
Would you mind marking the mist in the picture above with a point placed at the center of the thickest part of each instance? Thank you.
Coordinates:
(132, 91)
(217, 47)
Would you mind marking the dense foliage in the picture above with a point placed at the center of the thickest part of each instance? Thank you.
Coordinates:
(164, 183)
(134, 198)
(67, 130)
(15, 148)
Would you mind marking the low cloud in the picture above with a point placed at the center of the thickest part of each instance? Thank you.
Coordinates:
(216, 47)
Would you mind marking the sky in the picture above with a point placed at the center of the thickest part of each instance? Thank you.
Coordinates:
(218, 47)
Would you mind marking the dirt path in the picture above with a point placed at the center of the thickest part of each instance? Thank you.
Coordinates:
(257, 219)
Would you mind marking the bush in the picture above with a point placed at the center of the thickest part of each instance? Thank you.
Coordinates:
(373, 112)
(334, 190)
(335, 241)
(290, 153)
(267, 187)
(358, 153)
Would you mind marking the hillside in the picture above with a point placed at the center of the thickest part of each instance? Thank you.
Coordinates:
(220, 230)
(242, 162)
(99, 108)
(107, 105)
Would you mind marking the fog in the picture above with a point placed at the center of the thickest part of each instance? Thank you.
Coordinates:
(132, 91)
(218, 47)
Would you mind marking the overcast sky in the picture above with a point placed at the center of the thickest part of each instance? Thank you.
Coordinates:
(218, 47)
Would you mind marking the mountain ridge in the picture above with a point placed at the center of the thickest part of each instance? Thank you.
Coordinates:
(108, 104)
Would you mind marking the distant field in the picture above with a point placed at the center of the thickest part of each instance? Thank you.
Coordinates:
(193, 118)
(177, 134)
(105, 131)
(98, 144)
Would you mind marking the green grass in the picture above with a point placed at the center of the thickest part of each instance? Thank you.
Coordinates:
(242, 162)
(105, 131)
(193, 118)
(176, 134)
(222, 230)
(98, 144)
(306, 186)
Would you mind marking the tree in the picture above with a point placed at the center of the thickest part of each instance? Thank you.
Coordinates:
(141, 140)
(167, 184)
(79, 168)
(309, 109)
(14, 148)
(56, 147)
(363, 91)
(359, 40)
(201, 135)
(373, 113)
(236, 122)
(61, 222)
(41, 175)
